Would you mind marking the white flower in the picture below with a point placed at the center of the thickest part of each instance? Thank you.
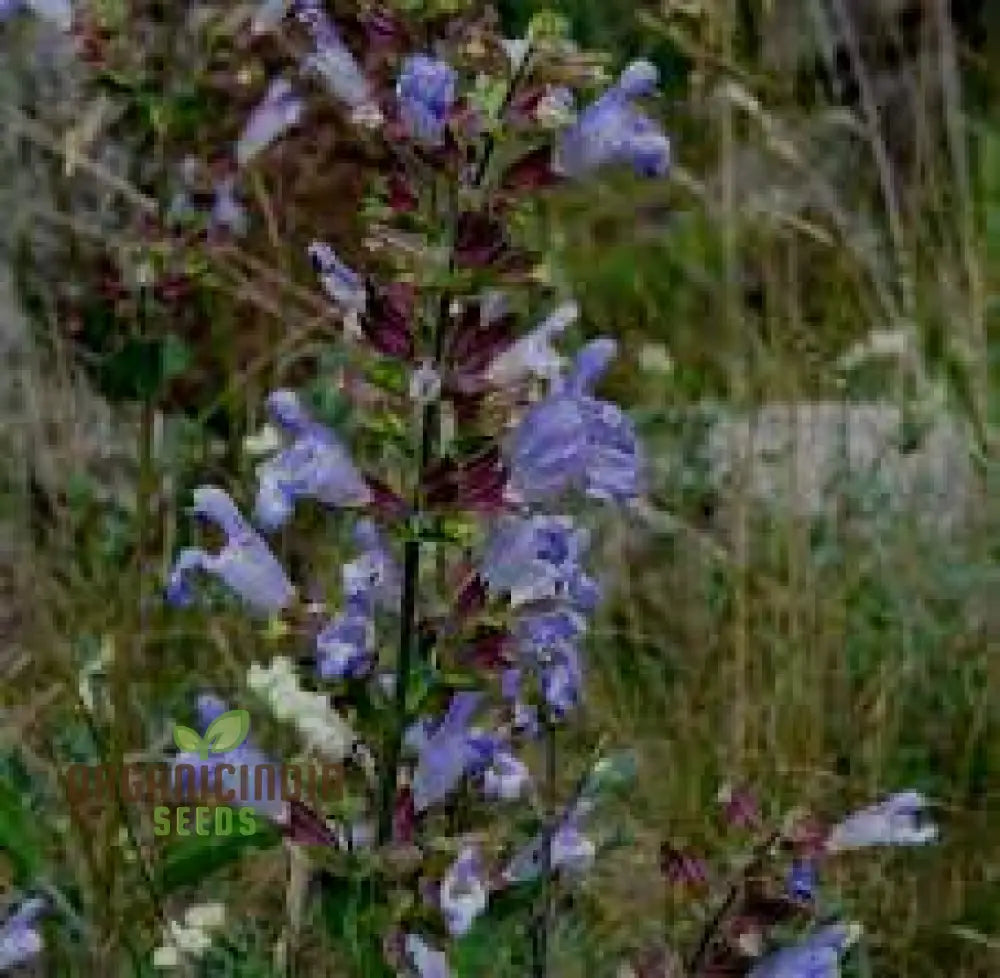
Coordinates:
(516, 49)
(367, 115)
(654, 358)
(206, 916)
(166, 957)
(191, 940)
(897, 821)
(321, 727)
(265, 442)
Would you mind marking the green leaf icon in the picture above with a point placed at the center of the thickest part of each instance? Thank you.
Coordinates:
(227, 731)
(187, 739)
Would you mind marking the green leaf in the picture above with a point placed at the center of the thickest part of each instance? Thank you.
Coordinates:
(187, 739)
(228, 731)
(355, 916)
(388, 375)
(175, 356)
(549, 25)
(195, 858)
(18, 835)
(611, 774)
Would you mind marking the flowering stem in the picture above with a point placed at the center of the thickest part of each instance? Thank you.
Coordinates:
(540, 945)
(411, 570)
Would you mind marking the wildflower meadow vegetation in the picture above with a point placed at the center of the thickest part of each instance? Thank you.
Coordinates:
(400, 550)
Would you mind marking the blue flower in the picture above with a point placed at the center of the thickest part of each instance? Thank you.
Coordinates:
(447, 751)
(507, 778)
(538, 558)
(463, 892)
(58, 12)
(570, 851)
(572, 440)
(279, 110)
(341, 283)
(613, 131)
(20, 939)
(227, 211)
(346, 646)
(549, 642)
(801, 882)
(897, 821)
(314, 465)
(244, 564)
(428, 962)
(818, 956)
(533, 354)
(426, 93)
(331, 59)
(375, 573)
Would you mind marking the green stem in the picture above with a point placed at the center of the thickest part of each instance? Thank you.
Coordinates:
(540, 945)
(390, 769)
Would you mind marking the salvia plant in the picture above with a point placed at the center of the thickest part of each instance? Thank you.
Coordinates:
(455, 650)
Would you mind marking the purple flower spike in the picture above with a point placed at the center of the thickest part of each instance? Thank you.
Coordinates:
(342, 284)
(314, 465)
(445, 753)
(426, 92)
(463, 893)
(612, 131)
(331, 59)
(346, 646)
(897, 821)
(245, 564)
(816, 957)
(280, 109)
(20, 940)
(426, 961)
(572, 440)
